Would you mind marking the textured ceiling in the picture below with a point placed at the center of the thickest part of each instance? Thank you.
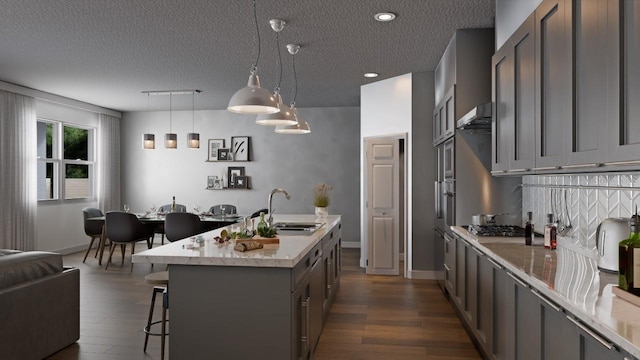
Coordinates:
(108, 52)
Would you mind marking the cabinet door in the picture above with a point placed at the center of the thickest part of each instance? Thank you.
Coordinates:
(522, 146)
(316, 305)
(436, 126)
(471, 284)
(528, 325)
(553, 83)
(624, 80)
(450, 264)
(502, 133)
(586, 144)
(449, 121)
(503, 317)
(461, 281)
(483, 324)
(301, 317)
(559, 336)
(593, 346)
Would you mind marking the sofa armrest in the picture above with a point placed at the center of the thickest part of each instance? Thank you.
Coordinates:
(40, 317)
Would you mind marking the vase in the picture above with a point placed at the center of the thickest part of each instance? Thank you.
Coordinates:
(322, 211)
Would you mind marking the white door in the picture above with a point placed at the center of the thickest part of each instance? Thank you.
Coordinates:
(383, 192)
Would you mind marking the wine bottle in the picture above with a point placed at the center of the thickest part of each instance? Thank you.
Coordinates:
(528, 229)
(629, 258)
(173, 205)
(550, 233)
(262, 225)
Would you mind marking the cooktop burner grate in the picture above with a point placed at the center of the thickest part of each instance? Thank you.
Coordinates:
(496, 230)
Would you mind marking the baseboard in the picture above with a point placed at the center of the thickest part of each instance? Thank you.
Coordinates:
(351, 244)
(422, 275)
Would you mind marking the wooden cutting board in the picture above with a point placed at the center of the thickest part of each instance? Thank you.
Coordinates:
(627, 296)
(263, 240)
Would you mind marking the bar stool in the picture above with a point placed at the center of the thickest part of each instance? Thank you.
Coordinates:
(160, 280)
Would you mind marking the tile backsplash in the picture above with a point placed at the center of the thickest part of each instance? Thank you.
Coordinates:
(590, 198)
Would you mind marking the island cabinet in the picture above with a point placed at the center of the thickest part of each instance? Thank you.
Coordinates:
(509, 319)
(331, 258)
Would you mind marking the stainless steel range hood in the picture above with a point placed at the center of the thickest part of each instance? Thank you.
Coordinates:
(478, 118)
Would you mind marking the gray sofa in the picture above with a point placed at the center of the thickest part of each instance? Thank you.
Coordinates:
(39, 304)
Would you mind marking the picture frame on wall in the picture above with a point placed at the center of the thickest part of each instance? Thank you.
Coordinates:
(232, 172)
(211, 181)
(214, 146)
(241, 148)
(223, 154)
(241, 182)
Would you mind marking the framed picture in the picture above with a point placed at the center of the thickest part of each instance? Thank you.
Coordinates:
(241, 182)
(214, 145)
(232, 172)
(223, 154)
(240, 147)
(214, 182)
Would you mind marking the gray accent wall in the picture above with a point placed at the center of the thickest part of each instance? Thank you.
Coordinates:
(296, 163)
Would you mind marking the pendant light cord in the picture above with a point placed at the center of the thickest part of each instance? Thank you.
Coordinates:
(279, 62)
(170, 112)
(255, 21)
(295, 81)
(193, 112)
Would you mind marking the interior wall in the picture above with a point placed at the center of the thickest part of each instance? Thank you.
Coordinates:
(293, 162)
(398, 105)
(510, 14)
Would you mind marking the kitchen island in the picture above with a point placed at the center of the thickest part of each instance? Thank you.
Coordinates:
(529, 302)
(262, 304)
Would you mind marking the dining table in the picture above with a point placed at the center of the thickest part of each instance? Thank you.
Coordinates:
(209, 222)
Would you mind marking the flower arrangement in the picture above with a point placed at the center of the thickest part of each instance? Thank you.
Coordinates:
(321, 195)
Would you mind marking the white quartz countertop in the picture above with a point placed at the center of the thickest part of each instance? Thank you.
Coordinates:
(572, 280)
(286, 254)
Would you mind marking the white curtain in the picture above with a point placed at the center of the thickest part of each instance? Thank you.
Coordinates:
(108, 163)
(18, 171)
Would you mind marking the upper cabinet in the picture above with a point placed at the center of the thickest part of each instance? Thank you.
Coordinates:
(566, 93)
(462, 79)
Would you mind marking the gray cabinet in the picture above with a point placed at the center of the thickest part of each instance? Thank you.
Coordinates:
(483, 321)
(553, 82)
(460, 272)
(450, 264)
(624, 80)
(444, 118)
(332, 266)
(301, 318)
(513, 127)
(503, 317)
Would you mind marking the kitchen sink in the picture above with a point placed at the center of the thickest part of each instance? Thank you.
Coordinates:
(296, 228)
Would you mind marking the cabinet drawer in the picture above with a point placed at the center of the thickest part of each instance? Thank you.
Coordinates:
(303, 268)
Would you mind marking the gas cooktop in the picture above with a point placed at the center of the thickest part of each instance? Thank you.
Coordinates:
(496, 230)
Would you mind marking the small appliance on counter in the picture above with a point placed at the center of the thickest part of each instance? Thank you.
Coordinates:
(608, 235)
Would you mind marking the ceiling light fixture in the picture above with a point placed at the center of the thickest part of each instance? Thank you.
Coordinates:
(193, 138)
(252, 99)
(148, 140)
(170, 139)
(384, 16)
(301, 126)
(370, 74)
(284, 116)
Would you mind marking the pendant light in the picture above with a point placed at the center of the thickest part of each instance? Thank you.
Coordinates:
(193, 138)
(252, 99)
(148, 140)
(301, 126)
(170, 139)
(285, 116)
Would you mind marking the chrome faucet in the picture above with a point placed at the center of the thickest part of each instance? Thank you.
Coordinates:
(270, 219)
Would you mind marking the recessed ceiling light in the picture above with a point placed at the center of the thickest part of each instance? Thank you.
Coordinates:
(370, 75)
(385, 16)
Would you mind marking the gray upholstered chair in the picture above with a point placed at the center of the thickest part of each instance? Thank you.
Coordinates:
(125, 228)
(228, 209)
(181, 225)
(93, 228)
(167, 209)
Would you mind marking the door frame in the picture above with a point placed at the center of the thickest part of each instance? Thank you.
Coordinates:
(403, 210)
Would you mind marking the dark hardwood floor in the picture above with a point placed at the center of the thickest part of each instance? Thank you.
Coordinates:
(373, 317)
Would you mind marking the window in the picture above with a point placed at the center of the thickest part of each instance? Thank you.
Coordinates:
(65, 161)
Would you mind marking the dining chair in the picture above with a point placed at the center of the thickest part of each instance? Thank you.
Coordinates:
(167, 209)
(257, 213)
(181, 225)
(93, 228)
(228, 209)
(124, 228)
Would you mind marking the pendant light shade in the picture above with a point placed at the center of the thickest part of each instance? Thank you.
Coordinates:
(299, 128)
(193, 140)
(283, 117)
(252, 99)
(170, 141)
(148, 141)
